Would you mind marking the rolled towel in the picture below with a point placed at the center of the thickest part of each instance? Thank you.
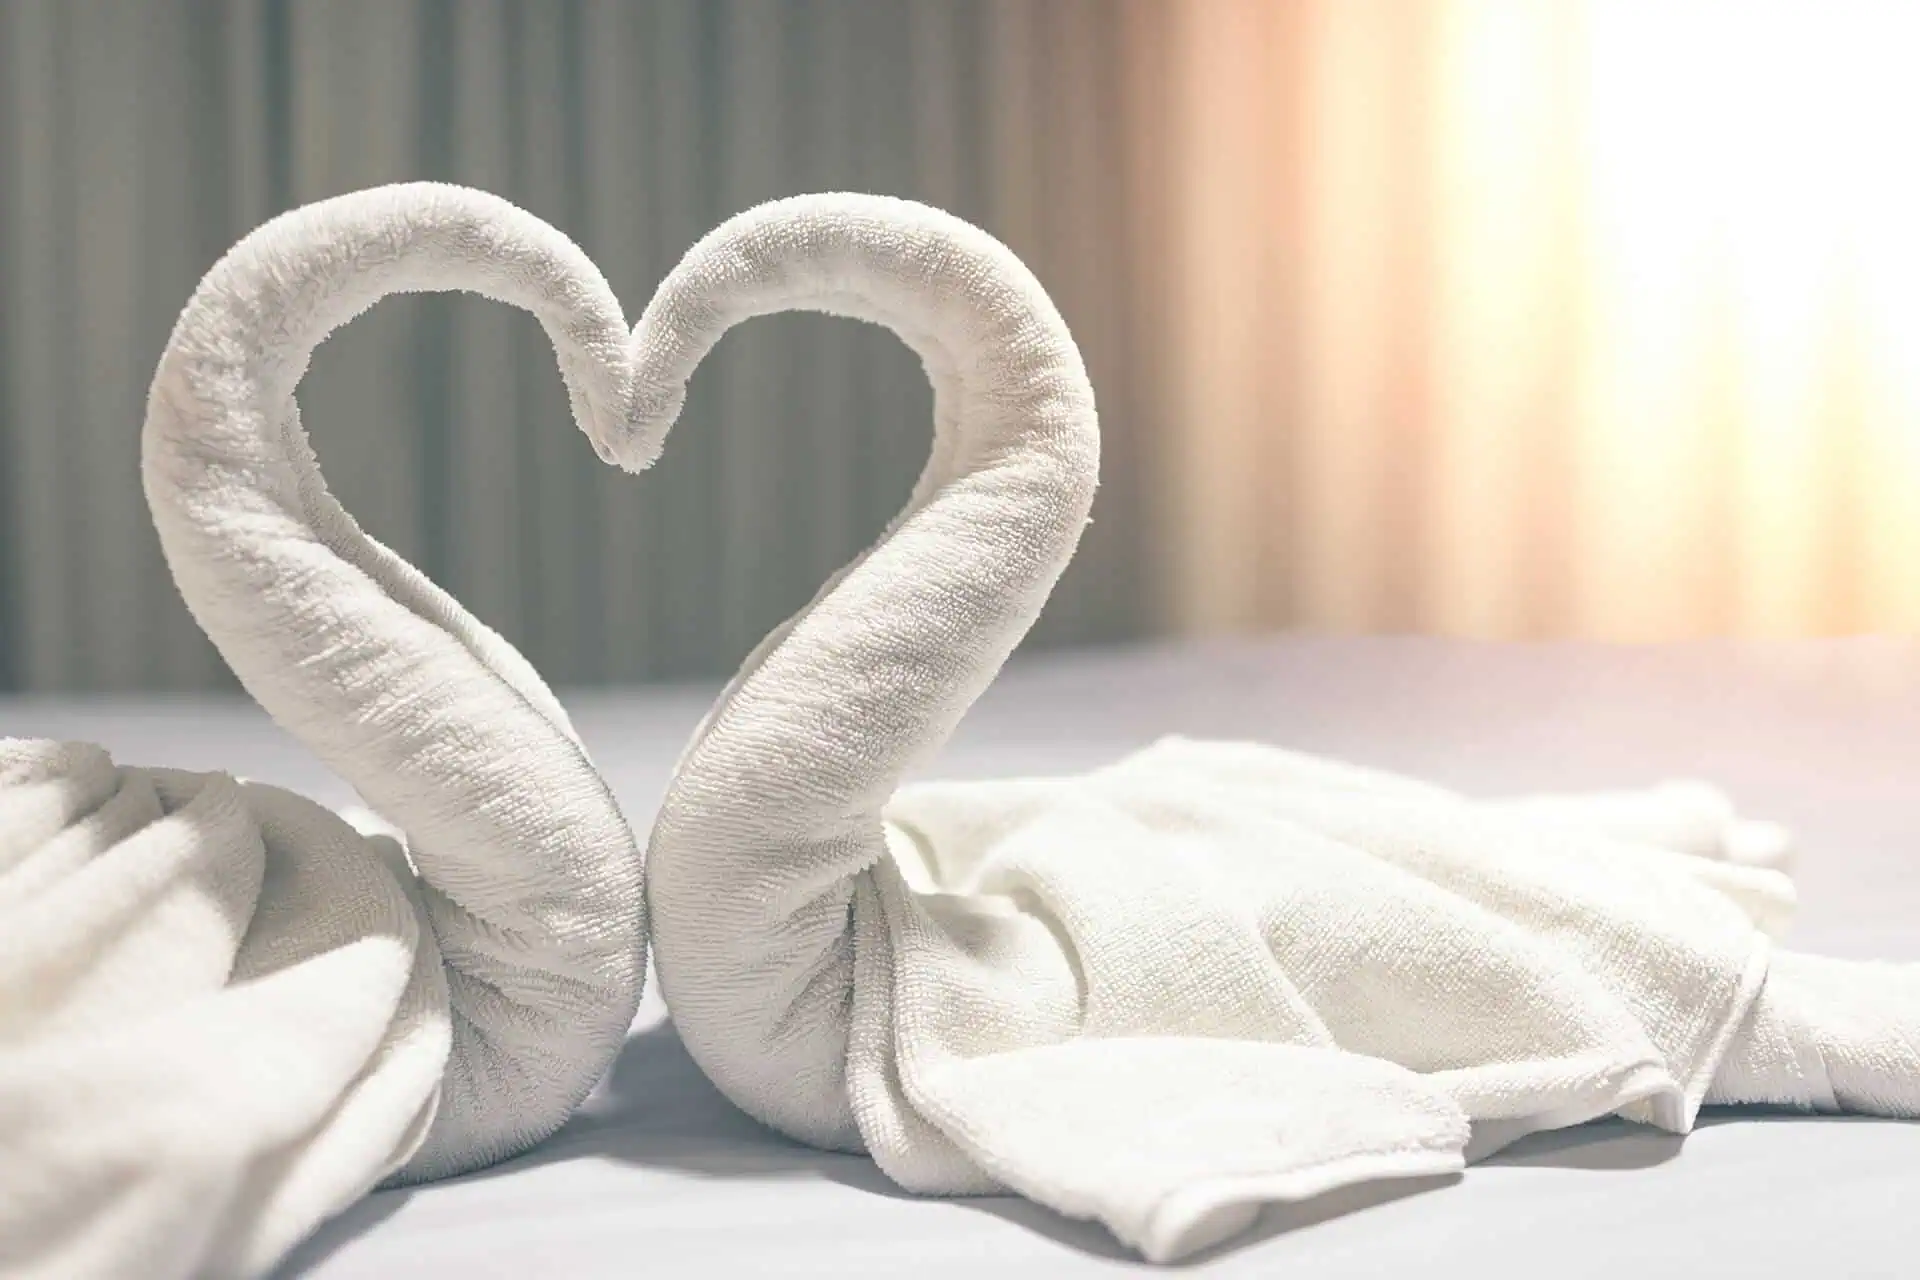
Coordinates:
(1161, 994)
(224, 1012)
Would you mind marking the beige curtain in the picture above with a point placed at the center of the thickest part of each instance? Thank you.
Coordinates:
(1517, 318)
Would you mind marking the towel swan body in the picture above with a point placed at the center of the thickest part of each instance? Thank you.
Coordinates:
(224, 1012)
(1212, 974)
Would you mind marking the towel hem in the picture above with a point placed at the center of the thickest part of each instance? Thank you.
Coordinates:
(1194, 1217)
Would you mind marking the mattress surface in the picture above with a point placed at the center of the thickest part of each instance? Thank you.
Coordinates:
(658, 1175)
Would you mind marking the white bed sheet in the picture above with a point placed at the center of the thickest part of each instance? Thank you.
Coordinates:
(660, 1176)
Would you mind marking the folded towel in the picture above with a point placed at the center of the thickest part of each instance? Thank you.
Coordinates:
(224, 1012)
(220, 1020)
(1211, 975)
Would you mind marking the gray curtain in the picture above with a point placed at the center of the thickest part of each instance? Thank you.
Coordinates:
(139, 139)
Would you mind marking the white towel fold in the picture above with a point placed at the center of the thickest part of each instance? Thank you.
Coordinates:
(1211, 975)
(220, 1019)
(224, 1012)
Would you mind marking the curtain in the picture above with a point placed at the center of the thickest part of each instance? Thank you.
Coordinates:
(1507, 318)
(139, 139)
(1516, 318)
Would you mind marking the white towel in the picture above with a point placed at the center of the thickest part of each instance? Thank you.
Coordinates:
(224, 1013)
(1209, 976)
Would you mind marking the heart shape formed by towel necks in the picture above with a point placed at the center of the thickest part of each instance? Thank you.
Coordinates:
(531, 879)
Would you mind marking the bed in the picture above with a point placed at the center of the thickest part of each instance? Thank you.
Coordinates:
(659, 1175)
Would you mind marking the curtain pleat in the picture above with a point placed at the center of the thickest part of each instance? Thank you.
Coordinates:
(40, 540)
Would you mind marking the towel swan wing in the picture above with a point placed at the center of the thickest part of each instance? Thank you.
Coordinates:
(257, 1012)
(1208, 976)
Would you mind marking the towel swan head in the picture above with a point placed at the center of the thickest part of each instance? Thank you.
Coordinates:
(530, 876)
(776, 808)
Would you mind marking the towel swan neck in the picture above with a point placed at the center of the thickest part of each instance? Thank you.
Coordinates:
(810, 740)
(530, 876)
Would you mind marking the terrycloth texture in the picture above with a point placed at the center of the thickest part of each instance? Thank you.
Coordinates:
(1206, 977)
(220, 1018)
(224, 1013)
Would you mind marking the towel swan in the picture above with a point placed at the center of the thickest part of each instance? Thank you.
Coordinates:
(1208, 976)
(224, 1013)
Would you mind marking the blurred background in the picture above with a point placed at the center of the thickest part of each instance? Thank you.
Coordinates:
(1507, 319)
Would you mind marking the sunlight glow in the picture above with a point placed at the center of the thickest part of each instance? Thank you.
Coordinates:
(1752, 200)
(1569, 317)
